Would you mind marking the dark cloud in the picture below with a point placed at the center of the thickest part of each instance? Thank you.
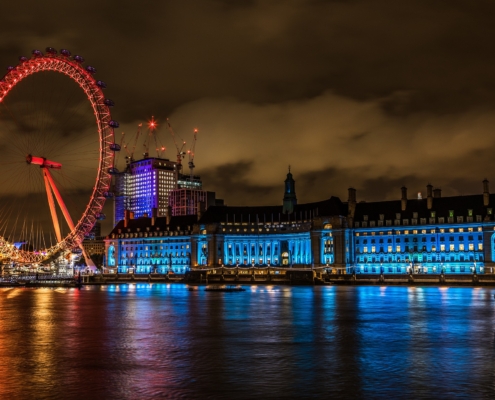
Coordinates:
(374, 95)
(232, 182)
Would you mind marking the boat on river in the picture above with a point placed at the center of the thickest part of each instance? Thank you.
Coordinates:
(225, 288)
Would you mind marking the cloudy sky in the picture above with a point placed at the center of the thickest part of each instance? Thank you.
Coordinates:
(369, 94)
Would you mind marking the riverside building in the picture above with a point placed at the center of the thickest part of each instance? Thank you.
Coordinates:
(451, 235)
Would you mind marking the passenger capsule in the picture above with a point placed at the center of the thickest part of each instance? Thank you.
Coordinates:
(78, 59)
(108, 195)
(65, 52)
(115, 147)
(51, 50)
(113, 124)
(113, 171)
(101, 216)
(109, 103)
(90, 69)
(23, 59)
(78, 251)
(10, 68)
(101, 84)
(37, 53)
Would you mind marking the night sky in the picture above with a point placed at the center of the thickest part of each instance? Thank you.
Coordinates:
(369, 94)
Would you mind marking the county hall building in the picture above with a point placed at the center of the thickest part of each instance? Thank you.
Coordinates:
(433, 234)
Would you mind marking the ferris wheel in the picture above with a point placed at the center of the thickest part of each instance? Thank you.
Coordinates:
(56, 155)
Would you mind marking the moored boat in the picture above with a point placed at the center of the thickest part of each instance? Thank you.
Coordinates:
(223, 288)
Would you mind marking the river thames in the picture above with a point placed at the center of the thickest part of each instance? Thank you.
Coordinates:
(142, 341)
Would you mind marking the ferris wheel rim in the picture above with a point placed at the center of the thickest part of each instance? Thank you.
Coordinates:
(72, 68)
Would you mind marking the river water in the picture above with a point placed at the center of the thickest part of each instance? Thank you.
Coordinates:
(143, 341)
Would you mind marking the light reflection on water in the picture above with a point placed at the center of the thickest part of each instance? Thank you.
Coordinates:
(162, 340)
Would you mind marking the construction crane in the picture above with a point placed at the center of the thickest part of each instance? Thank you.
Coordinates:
(180, 150)
(121, 144)
(130, 154)
(191, 155)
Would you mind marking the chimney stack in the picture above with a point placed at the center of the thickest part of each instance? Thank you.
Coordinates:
(201, 209)
(437, 193)
(486, 193)
(154, 215)
(352, 202)
(403, 200)
(429, 196)
(128, 215)
(169, 214)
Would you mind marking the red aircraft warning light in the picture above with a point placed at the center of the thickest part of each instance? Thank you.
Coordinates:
(152, 124)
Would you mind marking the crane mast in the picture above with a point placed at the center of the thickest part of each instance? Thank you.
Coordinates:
(180, 150)
(130, 154)
(191, 156)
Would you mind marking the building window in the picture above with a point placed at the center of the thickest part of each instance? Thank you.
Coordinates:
(389, 249)
(442, 247)
(471, 246)
(461, 247)
(397, 248)
(480, 246)
(365, 249)
(372, 249)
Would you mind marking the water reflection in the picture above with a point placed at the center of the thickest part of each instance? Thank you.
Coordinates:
(162, 340)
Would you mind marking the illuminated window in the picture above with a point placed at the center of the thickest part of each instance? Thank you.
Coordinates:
(451, 247)
(415, 232)
(442, 247)
(471, 246)
(451, 230)
(461, 229)
(365, 250)
(389, 249)
(433, 248)
(470, 229)
(397, 249)
(442, 230)
(406, 232)
(423, 231)
(433, 213)
(480, 246)
(372, 249)
(480, 229)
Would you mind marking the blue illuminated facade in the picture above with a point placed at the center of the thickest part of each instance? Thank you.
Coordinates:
(432, 235)
(150, 245)
(453, 235)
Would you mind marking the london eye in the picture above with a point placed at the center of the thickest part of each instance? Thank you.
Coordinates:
(56, 155)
